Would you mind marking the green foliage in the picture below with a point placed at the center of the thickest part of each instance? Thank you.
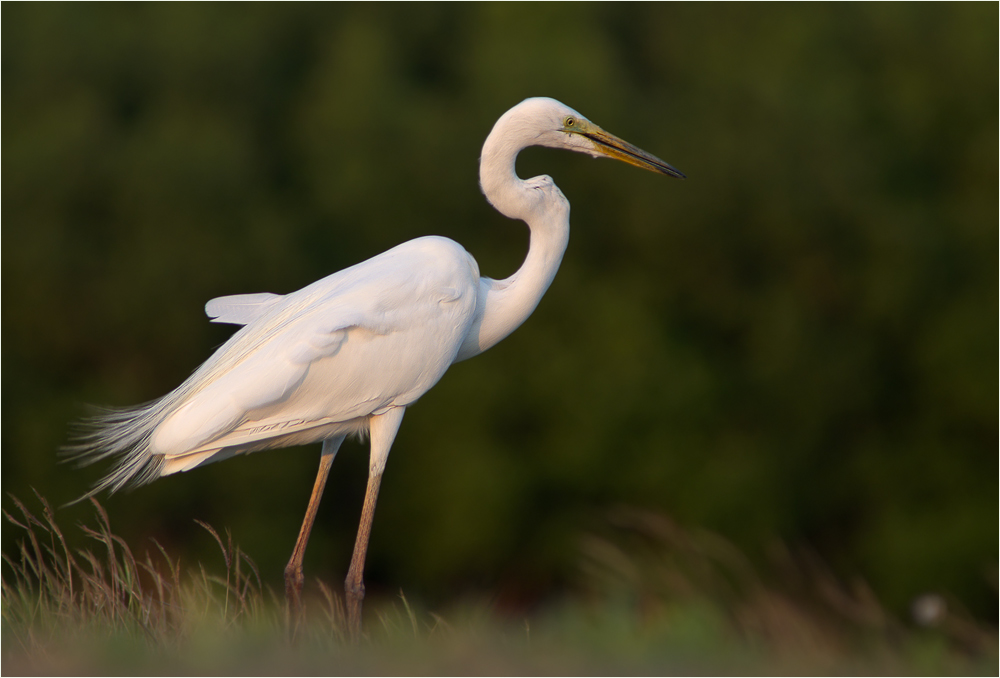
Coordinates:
(797, 343)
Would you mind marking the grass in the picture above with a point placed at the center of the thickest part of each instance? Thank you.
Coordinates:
(652, 599)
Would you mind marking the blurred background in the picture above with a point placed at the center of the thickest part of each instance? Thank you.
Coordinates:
(795, 346)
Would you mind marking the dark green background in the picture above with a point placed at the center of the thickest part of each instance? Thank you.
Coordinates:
(796, 344)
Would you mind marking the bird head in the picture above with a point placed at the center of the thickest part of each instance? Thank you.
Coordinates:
(559, 126)
(541, 121)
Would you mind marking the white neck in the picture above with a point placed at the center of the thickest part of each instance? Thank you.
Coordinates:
(504, 304)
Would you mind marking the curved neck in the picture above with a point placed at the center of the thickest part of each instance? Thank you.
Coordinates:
(504, 304)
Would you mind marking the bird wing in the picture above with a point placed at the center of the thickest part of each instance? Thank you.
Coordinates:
(371, 337)
(240, 309)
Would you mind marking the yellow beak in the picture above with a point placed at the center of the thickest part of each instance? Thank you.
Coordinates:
(608, 144)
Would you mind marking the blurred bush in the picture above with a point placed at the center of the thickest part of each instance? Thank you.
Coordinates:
(796, 343)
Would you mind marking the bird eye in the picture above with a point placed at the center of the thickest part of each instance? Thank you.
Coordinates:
(569, 121)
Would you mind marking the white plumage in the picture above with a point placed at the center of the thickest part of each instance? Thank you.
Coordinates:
(348, 353)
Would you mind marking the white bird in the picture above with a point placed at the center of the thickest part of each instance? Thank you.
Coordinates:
(349, 353)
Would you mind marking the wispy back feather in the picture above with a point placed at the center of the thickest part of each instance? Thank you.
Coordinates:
(125, 433)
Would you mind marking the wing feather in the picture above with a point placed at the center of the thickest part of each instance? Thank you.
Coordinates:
(240, 309)
(303, 367)
(371, 336)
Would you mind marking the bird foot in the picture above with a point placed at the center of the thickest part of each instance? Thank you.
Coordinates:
(294, 581)
(355, 594)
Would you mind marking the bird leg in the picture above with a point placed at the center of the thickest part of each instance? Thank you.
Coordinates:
(294, 579)
(354, 586)
(382, 429)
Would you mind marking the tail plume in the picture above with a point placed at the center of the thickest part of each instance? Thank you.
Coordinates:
(122, 435)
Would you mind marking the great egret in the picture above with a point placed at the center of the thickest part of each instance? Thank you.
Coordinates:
(349, 353)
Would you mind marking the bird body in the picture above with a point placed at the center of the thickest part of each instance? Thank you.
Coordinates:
(318, 362)
(348, 353)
